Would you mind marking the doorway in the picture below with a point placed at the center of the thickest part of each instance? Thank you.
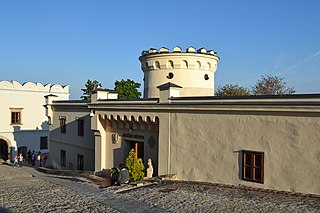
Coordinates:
(80, 162)
(138, 148)
(4, 152)
(23, 150)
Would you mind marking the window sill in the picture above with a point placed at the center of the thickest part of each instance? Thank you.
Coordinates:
(251, 181)
(16, 124)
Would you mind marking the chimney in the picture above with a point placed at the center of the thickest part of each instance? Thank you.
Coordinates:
(103, 94)
(167, 91)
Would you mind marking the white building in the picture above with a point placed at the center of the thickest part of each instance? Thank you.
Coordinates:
(23, 117)
(270, 142)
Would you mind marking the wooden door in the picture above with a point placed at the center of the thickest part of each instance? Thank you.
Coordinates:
(138, 148)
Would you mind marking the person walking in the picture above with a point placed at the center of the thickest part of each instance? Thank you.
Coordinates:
(39, 158)
(15, 161)
(20, 159)
(33, 158)
(29, 155)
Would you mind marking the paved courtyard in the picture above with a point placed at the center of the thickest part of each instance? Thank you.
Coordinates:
(26, 190)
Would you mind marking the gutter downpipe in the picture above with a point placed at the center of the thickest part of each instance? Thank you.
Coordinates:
(169, 145)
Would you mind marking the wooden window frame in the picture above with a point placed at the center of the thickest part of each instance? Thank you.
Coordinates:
(63, 125)
(80, 127)
(253, 167)
(63, 157)
(16, 120)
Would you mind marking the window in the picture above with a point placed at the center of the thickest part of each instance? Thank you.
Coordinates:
(206, 77)
(43, 142)
(62, 157)
(170, 75)
(16, 116)
(80, 127)
(63, 128)
(252, 166)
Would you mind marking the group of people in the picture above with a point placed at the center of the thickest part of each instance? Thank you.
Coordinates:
(18, 160)
(120, 177)
(32, 157)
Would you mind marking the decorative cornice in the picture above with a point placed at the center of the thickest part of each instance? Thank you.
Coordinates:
(34, 87)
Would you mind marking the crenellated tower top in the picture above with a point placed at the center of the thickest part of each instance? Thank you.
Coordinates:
(193, 70)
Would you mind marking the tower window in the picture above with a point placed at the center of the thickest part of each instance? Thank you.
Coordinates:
(206, 77)
(157, 65)
(170, 75)
(170, 64)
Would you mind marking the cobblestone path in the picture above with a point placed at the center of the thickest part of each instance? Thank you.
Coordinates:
(59, 194)
(21, 192)
(186, 197)
(26, 190)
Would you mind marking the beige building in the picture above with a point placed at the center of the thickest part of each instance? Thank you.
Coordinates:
(270, 142)
(24, 124)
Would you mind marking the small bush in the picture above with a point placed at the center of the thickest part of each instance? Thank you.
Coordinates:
(135, 166)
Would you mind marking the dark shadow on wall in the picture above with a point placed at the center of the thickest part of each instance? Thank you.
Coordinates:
(62, 141)
(119, 157)
(240, 163)
(29, 139)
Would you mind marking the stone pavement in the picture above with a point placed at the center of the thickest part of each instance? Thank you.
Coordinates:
(186, 197)
(26, 190)
(21, 192)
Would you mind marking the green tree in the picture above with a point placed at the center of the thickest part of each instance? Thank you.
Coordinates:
(127, 89)
(135, 166)
(232, 90)
(271, 85)
(89, 87)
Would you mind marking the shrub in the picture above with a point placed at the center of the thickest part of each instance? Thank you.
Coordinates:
(135, 166)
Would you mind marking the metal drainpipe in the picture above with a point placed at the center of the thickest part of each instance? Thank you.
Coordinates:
(169, 144)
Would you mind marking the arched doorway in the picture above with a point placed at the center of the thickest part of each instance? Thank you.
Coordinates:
(23, 150)
(4, 151)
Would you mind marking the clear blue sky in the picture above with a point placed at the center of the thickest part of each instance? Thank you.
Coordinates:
(71, 41)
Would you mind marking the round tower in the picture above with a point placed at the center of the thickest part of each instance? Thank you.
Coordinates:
(193, 70)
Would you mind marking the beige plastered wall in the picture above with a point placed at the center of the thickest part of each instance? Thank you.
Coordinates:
(205, 143)
(207, 147)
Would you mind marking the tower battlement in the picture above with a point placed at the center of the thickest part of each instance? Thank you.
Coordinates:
(178, 49)
(193, 70)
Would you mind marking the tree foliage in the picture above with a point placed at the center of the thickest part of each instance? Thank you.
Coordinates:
(135, 166)
(89, 87)
(127, 89)
(271, 85)
(232, 90)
